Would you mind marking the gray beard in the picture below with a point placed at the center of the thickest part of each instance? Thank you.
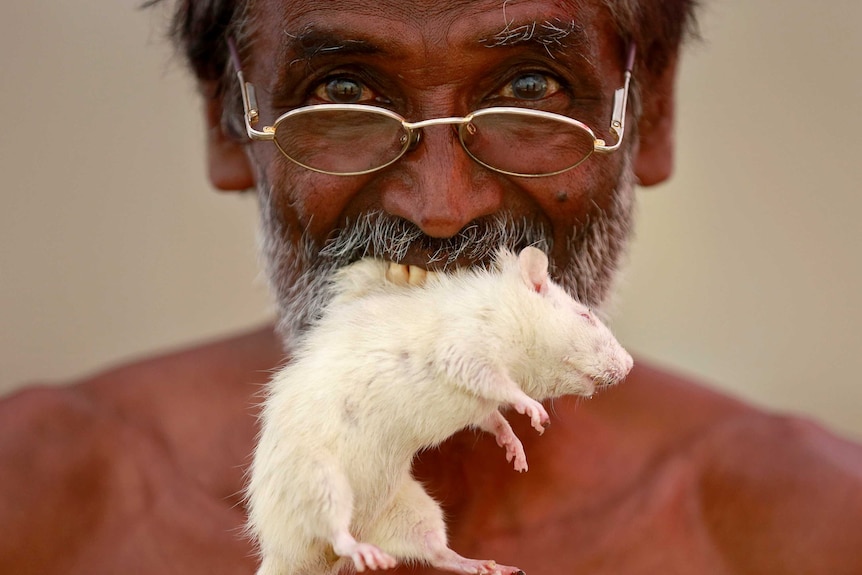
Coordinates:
(300, 273)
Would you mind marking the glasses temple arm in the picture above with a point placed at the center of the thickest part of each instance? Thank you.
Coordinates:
(621, 96)
(249, 101)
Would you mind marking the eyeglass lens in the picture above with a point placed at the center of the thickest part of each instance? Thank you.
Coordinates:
(357, 141)
(523, 144)
(340, 141)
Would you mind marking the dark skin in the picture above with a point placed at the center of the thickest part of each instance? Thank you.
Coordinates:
(138, 470)
(656, 475)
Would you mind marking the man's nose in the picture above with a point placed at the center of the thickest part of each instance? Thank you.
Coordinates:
(438, 187)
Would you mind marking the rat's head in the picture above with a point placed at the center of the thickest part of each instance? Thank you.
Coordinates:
(578, 352)
(594, 357)
(401, 168)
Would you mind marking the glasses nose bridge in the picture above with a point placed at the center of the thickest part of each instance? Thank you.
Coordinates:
(414, 129)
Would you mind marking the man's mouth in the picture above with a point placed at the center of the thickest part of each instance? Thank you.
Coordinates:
(439, 260)
(394, 239)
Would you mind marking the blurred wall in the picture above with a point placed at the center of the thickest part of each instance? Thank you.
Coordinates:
(747, 269)
(112, 243)
(745, 272)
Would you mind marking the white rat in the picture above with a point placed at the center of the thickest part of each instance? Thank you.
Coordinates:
(390, 370)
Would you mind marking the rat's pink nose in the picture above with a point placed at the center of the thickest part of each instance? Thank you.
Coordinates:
(616, 372)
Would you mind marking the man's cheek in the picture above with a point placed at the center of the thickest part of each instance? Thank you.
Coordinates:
(317, 203)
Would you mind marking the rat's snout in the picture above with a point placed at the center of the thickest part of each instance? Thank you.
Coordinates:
(616, 371)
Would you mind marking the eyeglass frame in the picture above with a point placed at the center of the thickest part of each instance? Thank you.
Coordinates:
(251, 116)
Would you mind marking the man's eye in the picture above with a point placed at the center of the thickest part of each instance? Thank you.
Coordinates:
(531, 86)
(343, 90)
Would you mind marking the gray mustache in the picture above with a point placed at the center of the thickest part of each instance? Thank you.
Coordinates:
(382, 235)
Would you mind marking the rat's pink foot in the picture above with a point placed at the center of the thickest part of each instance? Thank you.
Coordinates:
(364, 555)
(514, 451)
(477, 567)
(539, 418)
(506, 438)
(445, 559)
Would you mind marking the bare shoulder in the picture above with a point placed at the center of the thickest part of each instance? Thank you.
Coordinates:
(783, 492)
(778, 493)
(135, 467)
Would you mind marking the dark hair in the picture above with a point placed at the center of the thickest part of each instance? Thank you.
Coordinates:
(199, 29)
(658, 27)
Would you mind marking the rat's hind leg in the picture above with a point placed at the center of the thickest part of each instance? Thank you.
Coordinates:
(297, 512)
(337, 510)
(412, 528)
(497, 425)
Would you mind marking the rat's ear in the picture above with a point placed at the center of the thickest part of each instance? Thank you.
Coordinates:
(227, 163)
(534, 268)
(654, 161)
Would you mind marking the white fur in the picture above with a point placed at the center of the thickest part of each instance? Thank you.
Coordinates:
(389, 370)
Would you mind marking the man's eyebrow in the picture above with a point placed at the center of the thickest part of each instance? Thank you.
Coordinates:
(310, 42)
(303, 47)
(555, 36)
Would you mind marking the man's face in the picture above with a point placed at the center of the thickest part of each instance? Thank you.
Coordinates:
(436, 206)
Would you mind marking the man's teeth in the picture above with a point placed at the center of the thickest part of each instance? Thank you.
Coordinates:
(406, 274)
(416, 276)
(398, 274)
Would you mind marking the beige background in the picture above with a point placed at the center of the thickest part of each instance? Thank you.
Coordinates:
(746, 271)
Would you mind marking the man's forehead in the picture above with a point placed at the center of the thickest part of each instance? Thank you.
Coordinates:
(306, 26)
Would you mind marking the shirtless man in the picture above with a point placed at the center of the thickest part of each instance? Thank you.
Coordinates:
(139, 470)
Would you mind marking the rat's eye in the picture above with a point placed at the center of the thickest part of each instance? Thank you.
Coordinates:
(531, 86)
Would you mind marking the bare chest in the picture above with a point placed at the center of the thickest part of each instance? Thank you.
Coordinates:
(654, 526)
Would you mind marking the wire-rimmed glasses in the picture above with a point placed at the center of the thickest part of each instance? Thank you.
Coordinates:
(356, 139)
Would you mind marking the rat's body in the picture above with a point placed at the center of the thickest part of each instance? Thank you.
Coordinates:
(391, 370)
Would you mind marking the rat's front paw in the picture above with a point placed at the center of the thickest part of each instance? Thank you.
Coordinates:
(539, 418)
(514, 451)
